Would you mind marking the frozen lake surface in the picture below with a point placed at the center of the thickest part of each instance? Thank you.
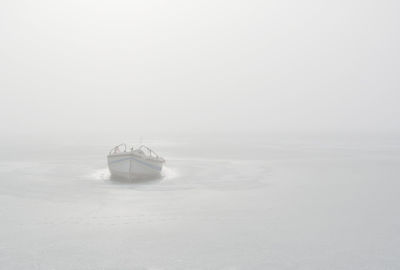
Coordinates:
(221, 204)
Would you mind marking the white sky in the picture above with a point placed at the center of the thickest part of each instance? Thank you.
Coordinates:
(82, 66)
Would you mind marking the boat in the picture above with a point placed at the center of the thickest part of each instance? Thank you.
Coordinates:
(139, 163)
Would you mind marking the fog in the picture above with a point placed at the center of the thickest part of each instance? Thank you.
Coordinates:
(92, 67)
(278, 122)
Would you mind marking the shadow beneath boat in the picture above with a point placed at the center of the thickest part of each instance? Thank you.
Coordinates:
(137, 180)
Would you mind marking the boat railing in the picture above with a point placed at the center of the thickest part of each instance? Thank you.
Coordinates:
(117, 149)
(147, 152)
(150, 152)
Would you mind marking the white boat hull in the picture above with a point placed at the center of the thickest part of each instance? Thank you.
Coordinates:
(131, 166)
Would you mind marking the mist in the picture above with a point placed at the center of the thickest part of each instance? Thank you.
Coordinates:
(91, 67)
(271, 130)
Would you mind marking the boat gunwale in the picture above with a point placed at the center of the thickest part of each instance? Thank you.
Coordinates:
(124, 154)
